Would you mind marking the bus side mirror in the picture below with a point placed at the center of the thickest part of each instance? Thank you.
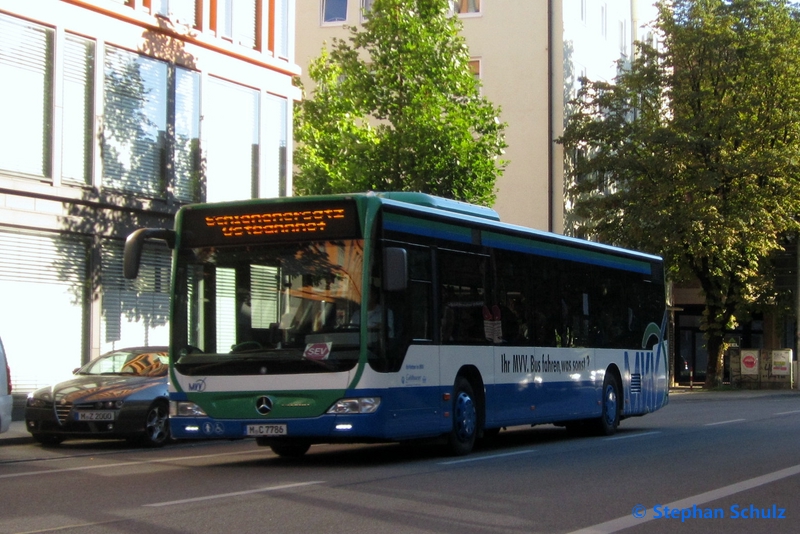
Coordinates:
(395, 269)
(135, 244)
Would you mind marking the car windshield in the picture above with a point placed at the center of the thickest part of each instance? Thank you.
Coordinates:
(277, 308)
(129, 363)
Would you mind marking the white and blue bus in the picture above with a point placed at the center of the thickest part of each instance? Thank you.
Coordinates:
(386, 317)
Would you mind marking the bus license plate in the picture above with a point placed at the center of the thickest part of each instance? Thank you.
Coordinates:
(266, 430)
(96, 416)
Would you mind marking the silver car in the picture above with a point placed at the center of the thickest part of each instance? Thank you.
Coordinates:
(6, 401)
(122, 394)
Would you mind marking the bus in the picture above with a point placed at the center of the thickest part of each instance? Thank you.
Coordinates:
(392, 317)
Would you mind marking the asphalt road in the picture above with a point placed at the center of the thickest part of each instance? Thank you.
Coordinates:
(708, 462)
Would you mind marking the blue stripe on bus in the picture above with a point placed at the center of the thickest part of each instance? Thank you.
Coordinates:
(428, 229)
(561, 252)
(404, 415)
(439, 230)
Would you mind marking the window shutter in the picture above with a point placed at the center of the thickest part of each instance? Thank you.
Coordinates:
(77, 95)
(26, 70)
(186, 153)
(143, 301)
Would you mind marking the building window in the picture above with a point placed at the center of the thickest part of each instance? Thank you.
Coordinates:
(280, 28)
(43, 281)
(366, 7)
(134, 311)
(273, 181)
(463, 7)
(186, 156)
(623, 38)
(77, 97)
(178, 11)
(231, 140)
(475, 68)
(237, 21)
(334, 11)
(26, 57)
(604, 20)
(134, 122)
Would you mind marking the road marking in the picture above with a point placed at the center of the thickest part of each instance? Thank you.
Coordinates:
(490, 457)
(615, 525)
(628, 436)
(787, 413)
(79, 526)
(123, 464)
(234, 494)
(725, 422)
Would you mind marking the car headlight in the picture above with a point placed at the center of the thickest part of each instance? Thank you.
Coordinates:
(359, 405)
(185, 409)
(33, 402)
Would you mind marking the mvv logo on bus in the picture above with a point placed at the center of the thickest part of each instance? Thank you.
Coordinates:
(198, 385)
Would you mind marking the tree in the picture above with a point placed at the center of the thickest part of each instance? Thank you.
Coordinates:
(397, 108)
(694, 152)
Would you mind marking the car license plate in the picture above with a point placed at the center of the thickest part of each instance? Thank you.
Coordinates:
(96, 416)
(266, 430)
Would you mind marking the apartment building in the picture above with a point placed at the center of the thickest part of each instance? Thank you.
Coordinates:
(113, 114)
(528, 55)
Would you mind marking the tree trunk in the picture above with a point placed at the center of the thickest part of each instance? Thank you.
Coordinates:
(716, 366)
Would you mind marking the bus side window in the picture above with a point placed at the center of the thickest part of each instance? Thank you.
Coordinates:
(462, 297)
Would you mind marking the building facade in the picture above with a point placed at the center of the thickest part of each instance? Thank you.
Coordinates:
(528, 55)
(113, 114)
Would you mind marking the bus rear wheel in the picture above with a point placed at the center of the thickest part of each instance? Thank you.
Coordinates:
(465, 418)
(608, 422)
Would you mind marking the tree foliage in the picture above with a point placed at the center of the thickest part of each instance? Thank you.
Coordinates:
(694, 152)
(396, 107)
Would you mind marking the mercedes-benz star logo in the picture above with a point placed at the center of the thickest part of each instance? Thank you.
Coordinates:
(264, 405)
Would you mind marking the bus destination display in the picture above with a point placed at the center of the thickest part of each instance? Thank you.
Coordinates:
(253, 224)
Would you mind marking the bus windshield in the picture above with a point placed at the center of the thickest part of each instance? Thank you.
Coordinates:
(260, 309)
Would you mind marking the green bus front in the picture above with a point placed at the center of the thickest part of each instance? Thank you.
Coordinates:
(275, 316)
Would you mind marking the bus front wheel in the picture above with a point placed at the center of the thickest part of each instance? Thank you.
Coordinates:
(289, 449)
(465, 418)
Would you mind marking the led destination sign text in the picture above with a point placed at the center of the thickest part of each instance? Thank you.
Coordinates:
(286, 222)
(253, 223)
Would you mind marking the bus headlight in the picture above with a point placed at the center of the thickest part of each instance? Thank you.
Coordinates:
(185, 409)
(359, 405)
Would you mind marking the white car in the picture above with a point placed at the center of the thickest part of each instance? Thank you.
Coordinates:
(6, 402)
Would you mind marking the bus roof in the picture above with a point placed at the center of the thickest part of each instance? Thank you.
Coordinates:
(423, 203)
(439, 203)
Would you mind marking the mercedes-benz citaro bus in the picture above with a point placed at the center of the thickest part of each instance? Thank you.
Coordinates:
(387, 317)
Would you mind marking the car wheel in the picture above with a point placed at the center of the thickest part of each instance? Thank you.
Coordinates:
(48, 440)
(156, 425)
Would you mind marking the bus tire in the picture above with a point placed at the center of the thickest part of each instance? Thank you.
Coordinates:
(292, 449)
(465, 418)
(608, 421)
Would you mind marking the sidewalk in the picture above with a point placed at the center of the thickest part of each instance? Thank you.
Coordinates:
(17, 434)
